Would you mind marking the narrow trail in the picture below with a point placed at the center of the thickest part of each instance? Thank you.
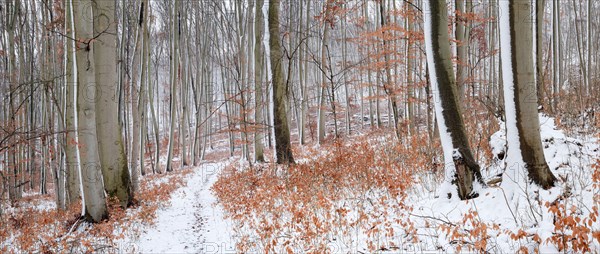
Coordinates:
(192, 223)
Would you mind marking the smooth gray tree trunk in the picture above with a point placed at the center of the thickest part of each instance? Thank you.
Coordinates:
(94, 203)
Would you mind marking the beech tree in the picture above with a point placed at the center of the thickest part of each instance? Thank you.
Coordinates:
(169, 81)
(522, 122)
(174, 72)
(461, 168)
(258, 81)
(72, 167)
(110, 142)
(283, 146)
(94, 203)
(323, 90)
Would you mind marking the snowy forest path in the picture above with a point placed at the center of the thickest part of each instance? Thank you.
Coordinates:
(192, 223)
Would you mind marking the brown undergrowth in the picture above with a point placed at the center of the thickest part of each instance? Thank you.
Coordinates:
(34, 230)
(320, 204)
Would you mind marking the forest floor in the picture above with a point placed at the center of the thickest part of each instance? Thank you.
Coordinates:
(175, 212)
(193, 223)
(364, 194)
(372, 194)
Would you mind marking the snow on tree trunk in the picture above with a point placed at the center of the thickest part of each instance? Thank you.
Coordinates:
(460, 166)
(522, 122)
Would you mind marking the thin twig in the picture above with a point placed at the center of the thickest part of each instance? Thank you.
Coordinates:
(433, 218)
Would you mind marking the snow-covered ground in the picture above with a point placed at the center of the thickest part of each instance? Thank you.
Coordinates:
(191, 224)
(506, 209)
(501, 219)
(510, 215)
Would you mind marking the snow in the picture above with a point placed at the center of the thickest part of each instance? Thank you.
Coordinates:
(192, 223)
(514, 172)
(446, 139)
(568, 158)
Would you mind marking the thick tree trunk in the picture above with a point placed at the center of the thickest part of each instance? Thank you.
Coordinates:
(110, 142)
(94, 203)
(521, 107)
(461, 167)
(283, 147)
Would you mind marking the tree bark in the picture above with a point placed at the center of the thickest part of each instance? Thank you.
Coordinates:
(387, 85)
(322, 97)
(12, 12)
(258, 86)
(94, 203)
(462, 168)
(115, 170)
(143, 101)
(283, 146)
(174, 80)
(462, 37)
(588, 48)
(72, 169)
(555, 57)
(539, 52)
(520, 90)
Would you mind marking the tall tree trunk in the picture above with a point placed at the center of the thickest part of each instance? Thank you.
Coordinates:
(323, 87)
(387, 85)
(155, 126)
(462, 37)
(559, 51)
(134, 99)
(522, 122)
(94, 203)
(409, 77)
(539, 52)
(72, 168)
(283, 146)
(143, 101)
(183, 93)
(582, 66)
(174, 80)
(12, 12)
(110, 142)
(555, 57)
(344, 69)
(303, 69)
(588, 48)
(461, 168)
(258, 84)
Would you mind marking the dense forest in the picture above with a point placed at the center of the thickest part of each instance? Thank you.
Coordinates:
(311, 125)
